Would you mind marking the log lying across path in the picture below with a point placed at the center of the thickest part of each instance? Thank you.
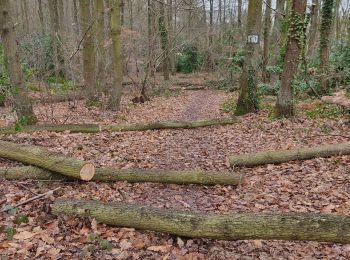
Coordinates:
(273, 226)
(95, 128)
(40, 157)
(280, 156)
(129, 175)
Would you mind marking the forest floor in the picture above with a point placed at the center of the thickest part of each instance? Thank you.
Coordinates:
(317, 185)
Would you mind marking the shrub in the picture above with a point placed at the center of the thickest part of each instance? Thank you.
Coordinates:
(189, 59)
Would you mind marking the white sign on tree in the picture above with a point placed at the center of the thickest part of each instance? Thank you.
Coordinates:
(253, 38)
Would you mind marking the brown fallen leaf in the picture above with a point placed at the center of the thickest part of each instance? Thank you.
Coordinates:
(23, 235)
(162, 249)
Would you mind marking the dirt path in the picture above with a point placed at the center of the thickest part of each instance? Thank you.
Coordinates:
(203, 104)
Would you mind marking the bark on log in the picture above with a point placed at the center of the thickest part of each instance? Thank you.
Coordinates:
(280, 156)
(130, 175)
(28, 173)
(170, 125)
(94, 128)
(73, 128)
(267, 226)
(42, 158)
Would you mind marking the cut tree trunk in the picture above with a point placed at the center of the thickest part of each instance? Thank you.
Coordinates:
(280, 156)
(95, 128)
(73, 128)
(170, 125)
(40, 157)
(28, 173)
(267, 226)
(130, 175)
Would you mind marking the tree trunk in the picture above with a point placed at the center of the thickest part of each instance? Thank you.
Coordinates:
(239, 14)
(54, 29)
(21, 101)
(94, 128)
(313, 28)
(41, 16)
(100, 37)
(284, 105)
(164, 38)
(277, 29)
(267, 28)
(280, 156)
(171, 37)
(130, 175)
(42, 158)
(247, 100)
(151, 38)
(89, 71)
(115, 93)
(235, 226)
(325, 33)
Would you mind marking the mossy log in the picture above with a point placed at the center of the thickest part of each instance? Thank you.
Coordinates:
(40, 157)
(243, 226)
(130, 175)
(170, 125)
(95, 128)
(280, 156)
(73, 128)
(28, 173)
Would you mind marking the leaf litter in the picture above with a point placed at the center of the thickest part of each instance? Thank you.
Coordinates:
(319, 185)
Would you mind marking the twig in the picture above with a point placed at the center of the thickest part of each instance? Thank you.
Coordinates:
(32, 199)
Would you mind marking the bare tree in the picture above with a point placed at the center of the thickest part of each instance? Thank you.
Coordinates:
(115, 92)
(21, 101)
(284, 105)
(247, 100)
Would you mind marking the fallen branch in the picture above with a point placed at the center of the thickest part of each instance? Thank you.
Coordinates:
(269, 226)
(40, 157)
(49, 193)
(170, 125)
(280, 156)
(94, 128)
(130, 175)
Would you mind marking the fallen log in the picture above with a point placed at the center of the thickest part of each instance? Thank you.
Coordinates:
(28, 173)
(280, 156)
(170, 125)
(267, 226)
(130, 175)
(40, 157)
(73, 128)
(94, 128)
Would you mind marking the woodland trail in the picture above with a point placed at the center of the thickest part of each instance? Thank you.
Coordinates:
(202, 104)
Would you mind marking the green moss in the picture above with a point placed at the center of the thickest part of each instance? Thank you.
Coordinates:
(326, 23)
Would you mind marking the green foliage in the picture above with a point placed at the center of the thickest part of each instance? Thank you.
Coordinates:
(340, 61)
(326, 21)
(274, 69)
(22, 122)
(224, 84)
(93, 237)
(9, 232)
(269, 89)
(188, 59)
(229, 106)
(37, 56)
(21, 218)
(324, 111)
(105, 244)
